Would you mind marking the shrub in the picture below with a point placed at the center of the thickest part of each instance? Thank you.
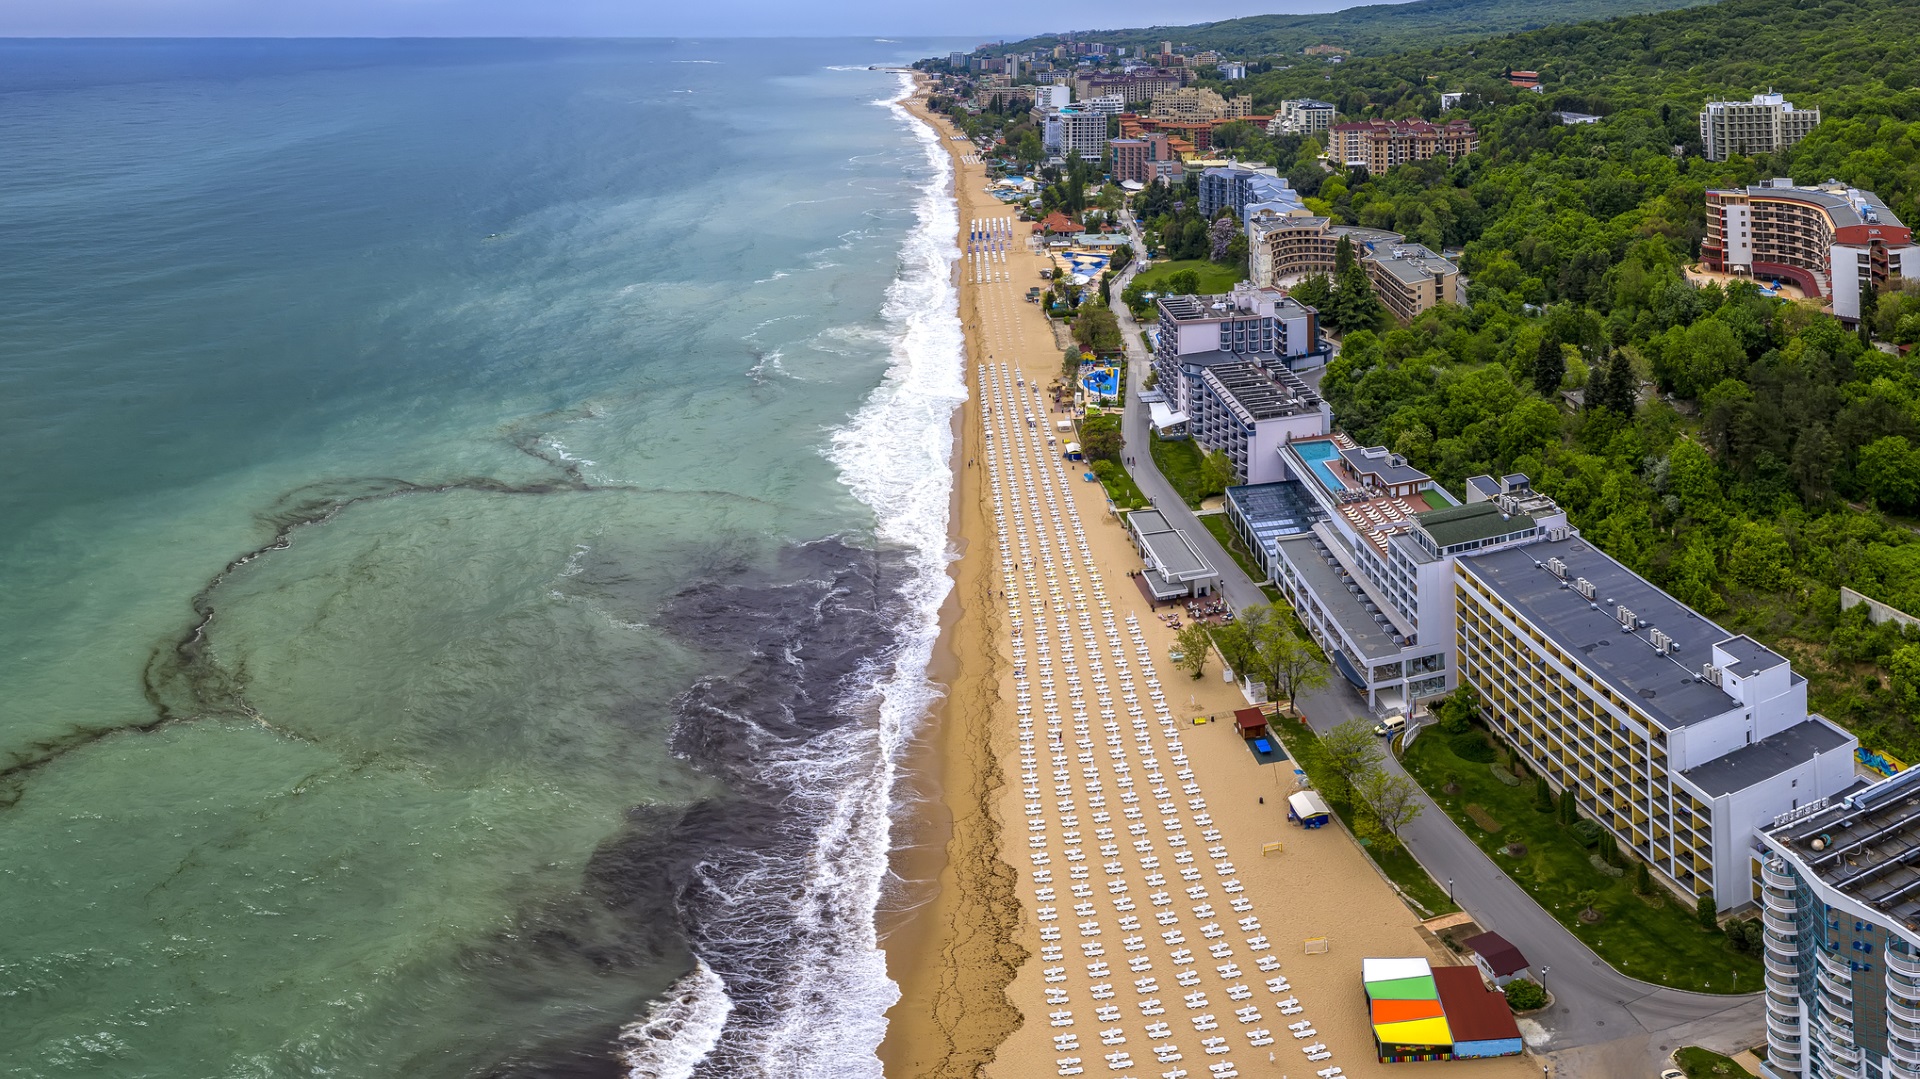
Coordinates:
(1525, 996)
(1472, 746)
(1705, 911)
(1588, 832)
(1542, 795)
(1642, 879)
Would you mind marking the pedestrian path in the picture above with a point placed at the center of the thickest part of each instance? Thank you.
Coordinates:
(1154, 957)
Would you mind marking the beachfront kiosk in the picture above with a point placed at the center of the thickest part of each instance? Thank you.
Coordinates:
(1308, 809)
(1175, 567)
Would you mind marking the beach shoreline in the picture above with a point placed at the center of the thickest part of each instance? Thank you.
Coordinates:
(951, 947)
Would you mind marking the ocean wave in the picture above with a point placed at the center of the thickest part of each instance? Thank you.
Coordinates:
(680, 1029)
(815, 731)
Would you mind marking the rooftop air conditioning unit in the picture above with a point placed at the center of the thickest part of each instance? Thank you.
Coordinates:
(1625, 616)
(1557, 567)
(1660, 642)
(1555, 535)
(1710, 673)
(1584, 587)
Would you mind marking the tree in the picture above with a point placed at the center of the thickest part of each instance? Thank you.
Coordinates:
(1886, 472)
(1195, 642)
(1525, 996)
(1183, 282)
(1549, 366)
(1220, 237)
(1642, 879)
(1352, 752)
(1316, 291)
(1216, 472)
(1705, 912)
(1285, 663)
(1097, 328)
(1542, 795)
(1569, 808)
(1393, 798)
(1101, 441)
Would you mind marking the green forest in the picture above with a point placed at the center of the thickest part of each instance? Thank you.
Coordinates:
(1377, 28)
(1748, 454)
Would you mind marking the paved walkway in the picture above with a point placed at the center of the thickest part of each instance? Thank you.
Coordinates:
(1593, 1002)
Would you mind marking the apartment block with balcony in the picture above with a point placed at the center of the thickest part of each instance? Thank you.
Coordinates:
(1681, 738)
(1243, 190)
(1259, 324)
(1282, 245)
(1839, 886)
(1379, 145)
(1832, 240)
(1410, 278)
(1767, 124)
(1301, 116)
(1190, 104)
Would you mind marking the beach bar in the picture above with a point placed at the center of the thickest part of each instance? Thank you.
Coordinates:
(1421, 1012)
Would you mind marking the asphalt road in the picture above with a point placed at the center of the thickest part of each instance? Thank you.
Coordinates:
(1601, 1022)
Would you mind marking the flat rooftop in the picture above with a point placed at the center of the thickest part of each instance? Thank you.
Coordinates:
(1868, 845)
(1386, 467)
(1343, 599)
(1845, 205)
(1474, 521)
(1768, 757)
(1260, 393)
(1665, 687)
(1173, 554)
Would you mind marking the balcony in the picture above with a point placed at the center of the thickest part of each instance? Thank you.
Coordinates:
(1899, 963)
(1782, 1026)
(1784, 1052)
(1838, 996)
(1835, 968)
(1903, 987)
(1774, 878)
(1905, 1052)
(1785, 949)
(1903, 1011)
(1783, 987)
(1897, 1070)
(1779, 924)
(1836, 1047)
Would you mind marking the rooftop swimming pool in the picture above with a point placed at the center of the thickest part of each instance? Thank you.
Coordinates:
(1316, 454)
(1082, 262)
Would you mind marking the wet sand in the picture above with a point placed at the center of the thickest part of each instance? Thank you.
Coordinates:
(972, 1004)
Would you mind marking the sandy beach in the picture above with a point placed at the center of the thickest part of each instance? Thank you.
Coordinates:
(990, 960)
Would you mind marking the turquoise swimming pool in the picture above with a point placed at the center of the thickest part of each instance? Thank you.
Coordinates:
(1316, 454)
(1103, 382)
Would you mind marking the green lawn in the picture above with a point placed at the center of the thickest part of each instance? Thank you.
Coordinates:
(1125, 493)
(1654, 939)
(1179, 461)
(1214, 278)
(1701, 1063)
(1428, 898)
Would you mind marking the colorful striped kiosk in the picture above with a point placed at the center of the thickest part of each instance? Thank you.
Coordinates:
(1423, 1013)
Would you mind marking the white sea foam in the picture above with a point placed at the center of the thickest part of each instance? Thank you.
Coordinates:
(680, 1029)
(895, 455)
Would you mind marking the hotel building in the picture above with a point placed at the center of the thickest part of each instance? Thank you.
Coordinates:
(1282, 245)
(1075, 131)
(1301, 116)
(1680, 738)
(1145, 159)
(1192, 104)
(1378, 145)
(1224, 366)
(1840, 905)
(1832, 240)
(1409, 278)
(1243, 190)
(1764, 125)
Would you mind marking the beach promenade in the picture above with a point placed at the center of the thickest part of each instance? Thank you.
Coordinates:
(1144, 907)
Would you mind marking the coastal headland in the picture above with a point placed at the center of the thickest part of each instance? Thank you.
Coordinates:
(1072, 920)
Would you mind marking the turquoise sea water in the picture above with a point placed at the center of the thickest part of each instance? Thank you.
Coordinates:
(471, 517)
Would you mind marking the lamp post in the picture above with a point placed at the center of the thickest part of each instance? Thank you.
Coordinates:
(1449, 889)
(1543, 976)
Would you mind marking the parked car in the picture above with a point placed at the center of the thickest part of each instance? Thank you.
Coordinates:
(1390, 726)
